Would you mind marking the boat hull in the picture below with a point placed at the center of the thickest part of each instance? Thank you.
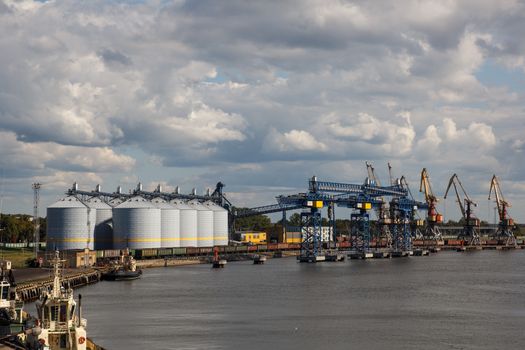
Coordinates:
(121, 275)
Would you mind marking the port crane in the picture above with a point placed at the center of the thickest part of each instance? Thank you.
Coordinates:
(471, 226)
(382, 211)
(433, 217)
(506, 224)
(403, 222)
(359, 197)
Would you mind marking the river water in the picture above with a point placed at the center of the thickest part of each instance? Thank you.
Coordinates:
(449, 300)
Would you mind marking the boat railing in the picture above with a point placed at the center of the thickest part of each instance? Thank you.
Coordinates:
(57, 325)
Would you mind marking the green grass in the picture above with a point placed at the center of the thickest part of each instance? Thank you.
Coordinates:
(18, 257)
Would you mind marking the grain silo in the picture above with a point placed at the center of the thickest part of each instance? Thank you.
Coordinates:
(204, 224)
(169, 223)
(136, 224)
(70, 225)
(220, 224)
(103, 233)
(188, 223)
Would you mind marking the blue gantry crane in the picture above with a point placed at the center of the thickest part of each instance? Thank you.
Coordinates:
(360, 198)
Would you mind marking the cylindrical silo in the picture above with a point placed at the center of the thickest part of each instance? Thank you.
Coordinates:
(136, 224)
(220, 224)
(188, 223)
(204, 224)
(103, 231)
(169, 223)
(70, 225)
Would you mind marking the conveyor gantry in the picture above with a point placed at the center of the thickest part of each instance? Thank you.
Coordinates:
(369, 190)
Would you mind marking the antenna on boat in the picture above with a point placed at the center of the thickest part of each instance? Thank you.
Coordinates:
(79, 309)
(56, 279)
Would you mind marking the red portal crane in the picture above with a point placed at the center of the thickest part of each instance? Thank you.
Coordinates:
(433, 217)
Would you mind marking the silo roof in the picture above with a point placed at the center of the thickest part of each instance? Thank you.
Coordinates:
(161, 203)
(198, 205)
(179, 204)
(136, 202)
(213, 206)
(68, 202)
(115, 201)
(97, 203)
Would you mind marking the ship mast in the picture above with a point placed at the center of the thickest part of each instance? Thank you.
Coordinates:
(56, 280)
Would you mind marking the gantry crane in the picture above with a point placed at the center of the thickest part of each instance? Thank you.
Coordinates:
(471, 226)
(506, 224)
(404, 225)
(433, 217)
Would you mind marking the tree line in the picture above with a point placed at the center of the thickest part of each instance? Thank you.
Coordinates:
(17, 228)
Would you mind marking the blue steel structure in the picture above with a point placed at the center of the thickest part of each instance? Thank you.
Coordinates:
(311, 244)
(402, 211)
(360, 197)
(360, 231)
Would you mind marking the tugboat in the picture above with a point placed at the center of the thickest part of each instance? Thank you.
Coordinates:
(11, 307)
(259, 259)
(59, 328)
(126, 269)
(217, 262)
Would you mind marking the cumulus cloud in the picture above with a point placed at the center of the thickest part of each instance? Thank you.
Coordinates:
(29, 159)
(478, 136)
(293, 141)
(104, 87)
(390, 136)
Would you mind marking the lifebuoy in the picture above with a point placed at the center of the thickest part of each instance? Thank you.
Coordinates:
(81, 340)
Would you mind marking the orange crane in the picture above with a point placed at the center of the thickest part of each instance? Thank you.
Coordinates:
(506, 224)
(433, 217)
(471, 226)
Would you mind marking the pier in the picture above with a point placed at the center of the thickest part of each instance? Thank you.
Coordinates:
(31, 288)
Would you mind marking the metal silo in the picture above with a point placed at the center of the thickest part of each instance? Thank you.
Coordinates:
(136, 224)
(188, 223)
(70, 225)
(169, 223)
(204, 224)
(103, 233)
(220, 224)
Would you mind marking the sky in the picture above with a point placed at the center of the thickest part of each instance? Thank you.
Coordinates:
(261, 96)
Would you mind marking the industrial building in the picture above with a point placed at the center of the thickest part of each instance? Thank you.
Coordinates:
(140, 220)
(250, 237)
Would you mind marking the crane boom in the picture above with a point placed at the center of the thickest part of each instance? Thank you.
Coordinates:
(372, 175)
(426, 187)
(433, 217)
(452, 183)
(390, 174)
(471, 226)
(501, 203)
(506, 224)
